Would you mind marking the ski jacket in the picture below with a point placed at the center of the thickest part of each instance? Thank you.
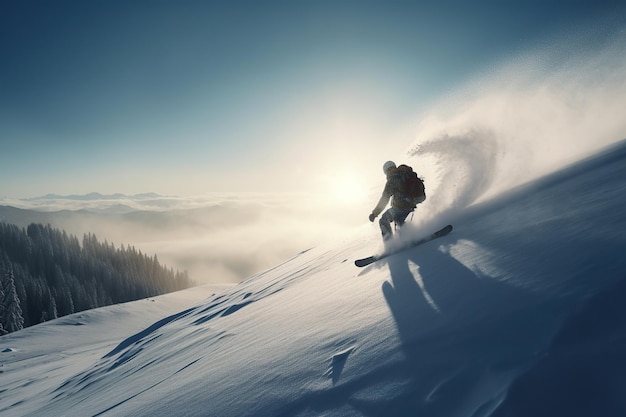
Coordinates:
(393, 191)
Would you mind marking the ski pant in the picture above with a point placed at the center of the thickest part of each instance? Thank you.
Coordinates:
(392, 215)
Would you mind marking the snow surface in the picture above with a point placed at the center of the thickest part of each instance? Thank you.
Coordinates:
(518, 312)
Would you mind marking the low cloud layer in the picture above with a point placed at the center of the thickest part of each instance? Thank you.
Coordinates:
(217, 238)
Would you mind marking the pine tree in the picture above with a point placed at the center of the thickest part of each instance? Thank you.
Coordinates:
(12, 319)
(45, 273)
(2, 331)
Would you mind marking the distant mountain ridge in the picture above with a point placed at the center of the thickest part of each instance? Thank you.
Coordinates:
(95, 202)
(94, 196)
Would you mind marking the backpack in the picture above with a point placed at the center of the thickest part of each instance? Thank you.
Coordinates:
(413, 186)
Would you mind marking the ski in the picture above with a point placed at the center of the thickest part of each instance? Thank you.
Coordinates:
(371, 259)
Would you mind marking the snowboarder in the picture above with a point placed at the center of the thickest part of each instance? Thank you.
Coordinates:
(406, 191)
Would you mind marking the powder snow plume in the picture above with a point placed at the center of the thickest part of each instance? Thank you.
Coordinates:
(538, 113)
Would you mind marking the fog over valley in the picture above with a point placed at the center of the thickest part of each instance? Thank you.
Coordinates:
(216, 238)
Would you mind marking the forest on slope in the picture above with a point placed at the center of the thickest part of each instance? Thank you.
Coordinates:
(46, 273)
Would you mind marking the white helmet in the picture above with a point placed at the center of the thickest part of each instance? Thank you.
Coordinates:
(388, 165)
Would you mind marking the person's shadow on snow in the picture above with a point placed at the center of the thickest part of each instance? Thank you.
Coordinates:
(444, 329)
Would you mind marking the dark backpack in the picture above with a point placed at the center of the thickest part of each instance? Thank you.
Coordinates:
(412, 184)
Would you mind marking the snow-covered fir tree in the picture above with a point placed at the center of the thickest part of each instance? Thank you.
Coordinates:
(12, 319)
(53, 275)
(2, 331)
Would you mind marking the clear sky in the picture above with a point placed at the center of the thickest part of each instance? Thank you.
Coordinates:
(188, 97)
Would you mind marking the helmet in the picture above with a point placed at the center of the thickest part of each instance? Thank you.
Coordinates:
(388, 165)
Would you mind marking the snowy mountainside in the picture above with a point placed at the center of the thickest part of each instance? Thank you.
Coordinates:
(37, 358)
(517, 312)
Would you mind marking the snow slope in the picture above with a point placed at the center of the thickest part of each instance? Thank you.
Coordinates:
(39, 358)
(518, 312)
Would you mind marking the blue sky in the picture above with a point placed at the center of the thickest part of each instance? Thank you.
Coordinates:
(188, 97)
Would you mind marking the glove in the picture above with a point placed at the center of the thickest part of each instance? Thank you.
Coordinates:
(372, 217)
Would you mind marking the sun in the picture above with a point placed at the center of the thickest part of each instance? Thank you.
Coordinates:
(348, 188)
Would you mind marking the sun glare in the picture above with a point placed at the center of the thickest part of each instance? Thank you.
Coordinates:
(348, 189)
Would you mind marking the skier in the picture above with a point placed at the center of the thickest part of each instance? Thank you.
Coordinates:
(405, 190)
